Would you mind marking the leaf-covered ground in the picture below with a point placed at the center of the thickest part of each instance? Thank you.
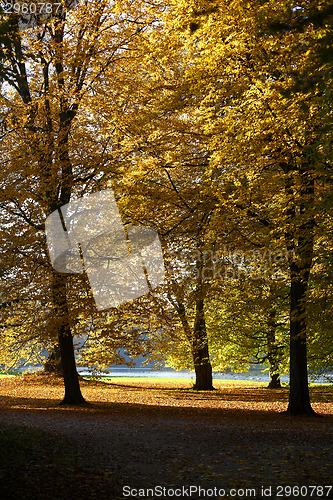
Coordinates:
(148, 432)
(35, 464)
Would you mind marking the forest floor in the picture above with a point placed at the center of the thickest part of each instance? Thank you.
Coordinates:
(158, 433)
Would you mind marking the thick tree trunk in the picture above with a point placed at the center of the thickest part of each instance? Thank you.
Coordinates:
(300, 241)
(273, 352)
(203, 375)
(200, 351)
(275, 382)
(299, 398)
(198, 340)
(73, 394)
(53, 362)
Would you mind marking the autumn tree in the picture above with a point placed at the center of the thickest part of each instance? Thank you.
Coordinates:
(201, 127)
(231, 75)
(269, 141)
(50, 150)
(161, 163)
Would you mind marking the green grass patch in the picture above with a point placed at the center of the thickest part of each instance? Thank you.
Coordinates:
(174, 382)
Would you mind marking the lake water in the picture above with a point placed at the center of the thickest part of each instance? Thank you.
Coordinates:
(254, 374)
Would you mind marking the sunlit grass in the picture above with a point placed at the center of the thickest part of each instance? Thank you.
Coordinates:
(174, 382)
(130, 394)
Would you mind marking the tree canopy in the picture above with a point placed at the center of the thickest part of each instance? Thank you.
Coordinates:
(212, 123)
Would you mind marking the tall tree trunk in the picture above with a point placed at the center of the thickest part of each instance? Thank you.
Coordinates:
(299, 398)
(200, 350)
(300, 241)
(202, 365)
(199, 343)
(275, 381)
(73, 394)
(273, 352)
(53, 362)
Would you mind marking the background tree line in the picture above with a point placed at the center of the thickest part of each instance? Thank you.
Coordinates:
(211, 121)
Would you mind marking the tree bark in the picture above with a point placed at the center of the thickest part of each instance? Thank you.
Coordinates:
(299, 398)
(275, 382)
(273, 352)
(53, 362)
(200, 350)
(73, 394)
(300, 241)
(198, 340)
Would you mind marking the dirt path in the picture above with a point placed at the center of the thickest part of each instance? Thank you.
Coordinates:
(149, 446)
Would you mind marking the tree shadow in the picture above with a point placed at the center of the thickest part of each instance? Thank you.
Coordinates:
(199, 415)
